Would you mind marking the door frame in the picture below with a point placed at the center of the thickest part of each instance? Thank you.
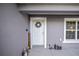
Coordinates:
(45, 36)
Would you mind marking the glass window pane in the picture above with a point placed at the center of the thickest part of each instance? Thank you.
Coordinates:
(70, 34)
(71, 25)
(77, 34)
(78, 25)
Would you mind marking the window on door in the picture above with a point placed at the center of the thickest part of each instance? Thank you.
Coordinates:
(71, 30)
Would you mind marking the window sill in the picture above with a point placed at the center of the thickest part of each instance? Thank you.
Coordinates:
(71, 41)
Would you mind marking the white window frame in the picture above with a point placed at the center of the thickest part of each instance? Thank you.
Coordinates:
(70, 41)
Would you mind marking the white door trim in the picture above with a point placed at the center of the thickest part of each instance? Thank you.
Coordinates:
(45, 40)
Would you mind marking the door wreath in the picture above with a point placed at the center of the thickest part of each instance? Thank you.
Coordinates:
(38, 24)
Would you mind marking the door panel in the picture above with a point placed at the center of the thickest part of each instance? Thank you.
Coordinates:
(37, 31)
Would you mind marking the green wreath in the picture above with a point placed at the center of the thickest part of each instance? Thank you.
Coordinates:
(38, 24)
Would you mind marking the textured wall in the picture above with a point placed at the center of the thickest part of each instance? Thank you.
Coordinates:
(13, 36)
(55, 29)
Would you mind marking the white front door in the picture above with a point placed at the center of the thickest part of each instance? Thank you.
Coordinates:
(38, 30)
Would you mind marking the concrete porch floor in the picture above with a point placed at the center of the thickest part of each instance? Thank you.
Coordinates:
(40, 51)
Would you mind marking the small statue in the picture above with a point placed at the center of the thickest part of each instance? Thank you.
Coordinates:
(25, 52)
(50, 47)
(57, 47)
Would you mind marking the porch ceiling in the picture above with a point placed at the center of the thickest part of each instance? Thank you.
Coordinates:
(51, 12)
(50, 9)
